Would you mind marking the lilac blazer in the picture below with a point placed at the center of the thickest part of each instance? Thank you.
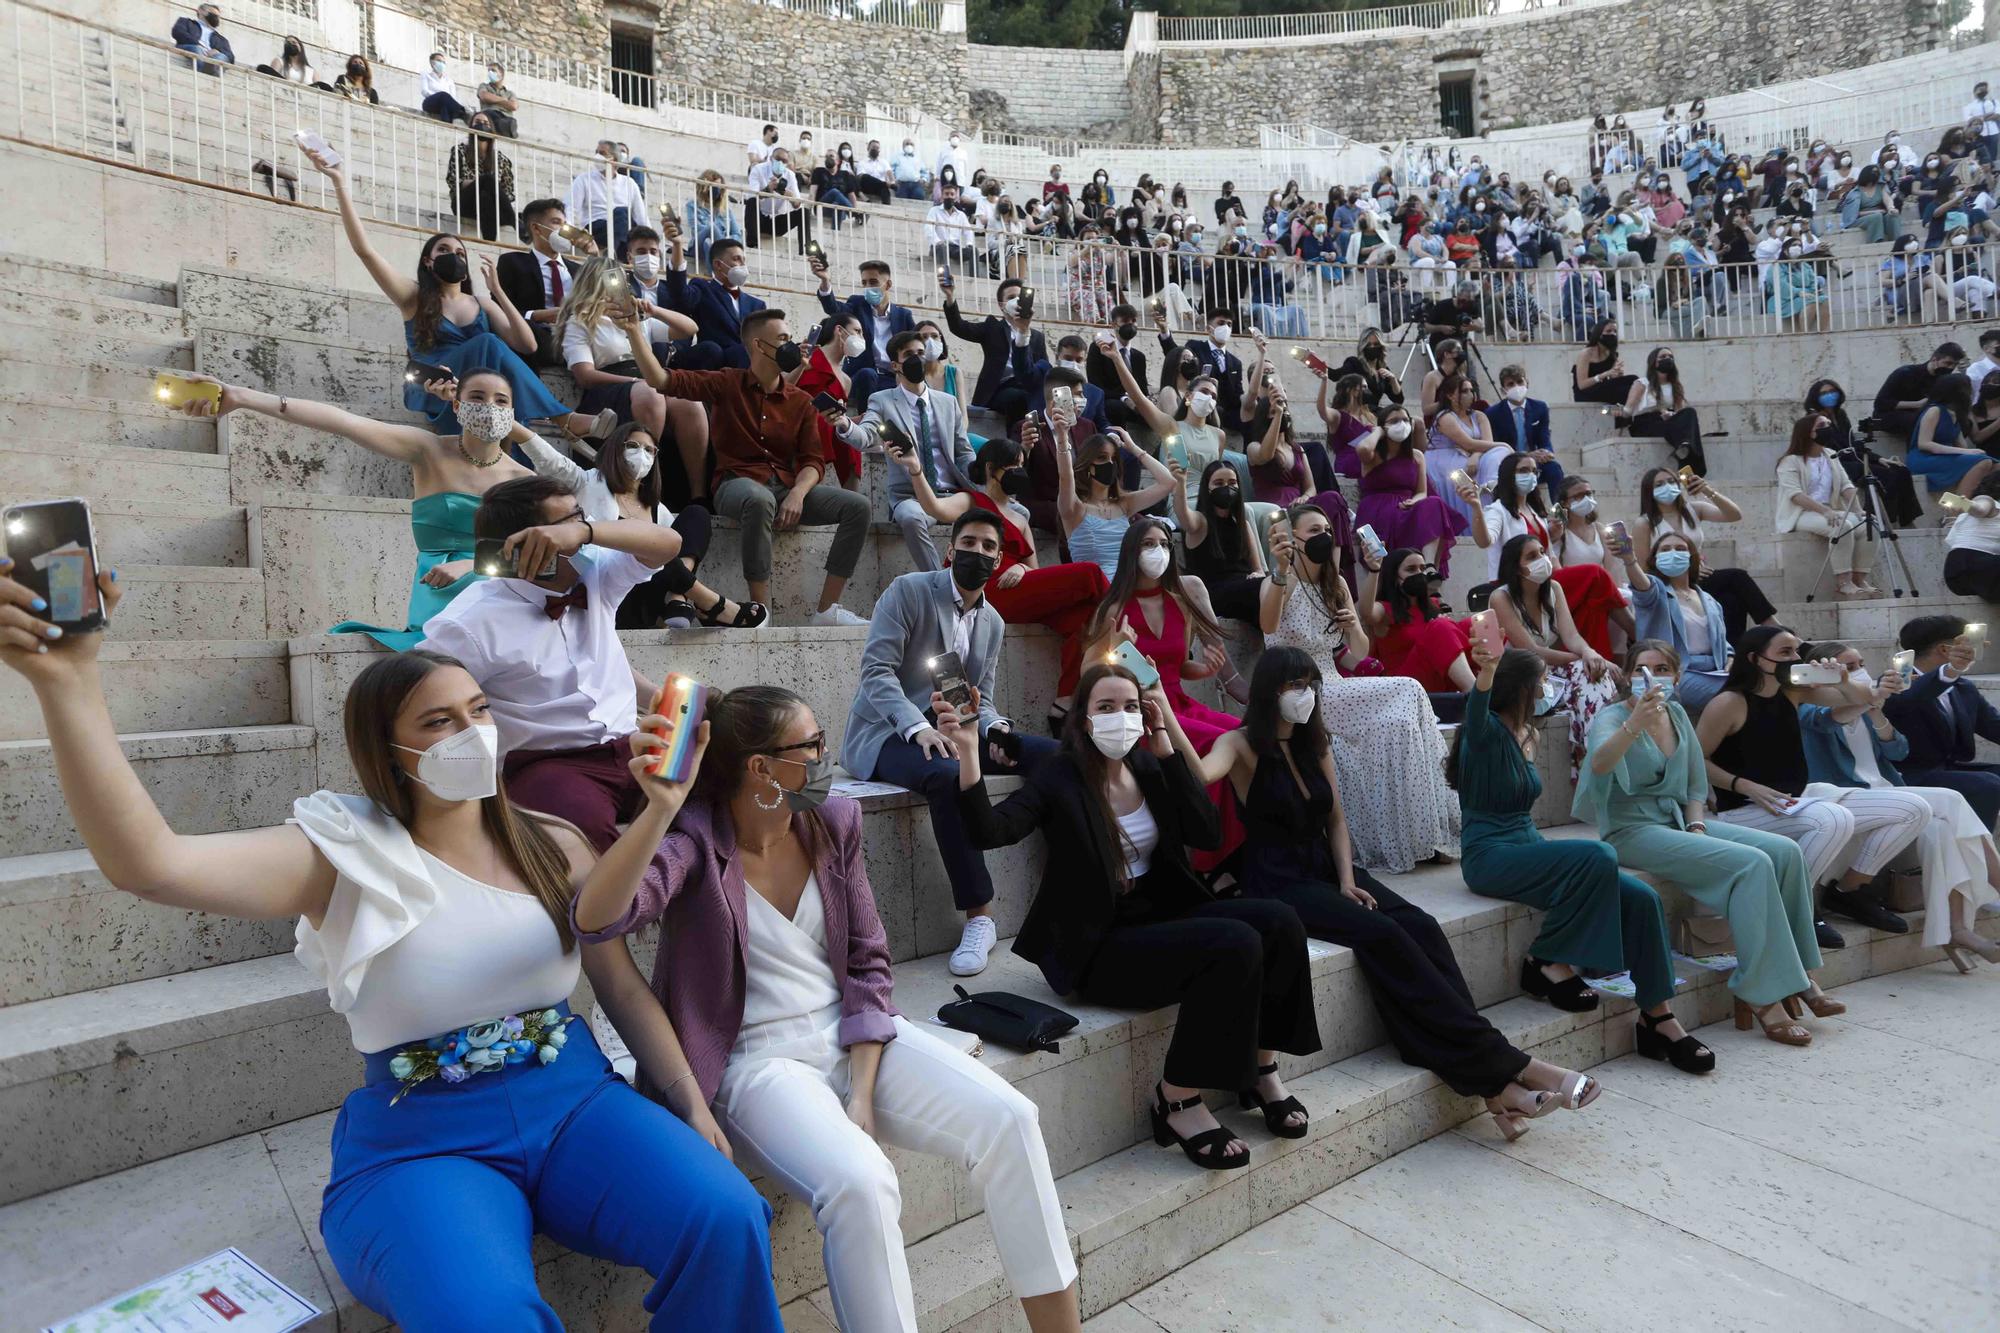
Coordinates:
(695, 889)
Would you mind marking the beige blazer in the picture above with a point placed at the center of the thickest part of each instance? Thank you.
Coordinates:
(1793, 474)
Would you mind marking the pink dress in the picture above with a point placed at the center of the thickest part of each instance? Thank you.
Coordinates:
(1382, 492)
(1203, 725)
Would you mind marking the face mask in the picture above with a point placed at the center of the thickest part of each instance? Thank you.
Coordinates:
(736, 275)
(1201, 404)
(1959, 240)
(1782, 671)
(954, 141)
(1127, 332)
(1546, 701)
(1153, 561)
(788, 357)
(646, 268)
(847, 154)
(1415, 585)
(1077, 366)
(1296, 706)
(1114, 734)
(462, 767)
(971, 569)
(490, 422)
(493, 76)
(1525, 481)
(819, 785)
(1538, 569)
(853, 344)
(1666, 493)
(1318, 548)
(1224, 497)
(1829, 399)
(1583, 506)
(448, 267)
(909, 150)
(638, 461)
(911, 366)
(1673, 564)
(1516, 393)
(1219, 335)
(1861, 677)
(559, 244)
(1012, 306)
(933, 349)
(1397, 431)
(1104, 473)
(1014, 483)
(874, 296)
(437, 66)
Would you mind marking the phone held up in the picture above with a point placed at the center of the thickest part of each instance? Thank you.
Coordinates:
(1486, 630)
(53, 545)
(1128, 656)
(948, 679)
(490, 559)
(172, 390)
(682, 701)
(314, 144)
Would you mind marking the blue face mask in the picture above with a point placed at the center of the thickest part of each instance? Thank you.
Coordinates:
(1649, 680)
(1667, 494)
(1548, 699)
(1525, 482)
(872, 295)
(1673, 564)
(1829, 399)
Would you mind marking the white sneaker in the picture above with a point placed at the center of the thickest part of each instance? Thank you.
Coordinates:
(835, 615)
(969, 958)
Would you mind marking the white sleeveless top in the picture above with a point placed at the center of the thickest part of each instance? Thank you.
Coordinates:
(1142, 838)
(787, 974)
(410, 947)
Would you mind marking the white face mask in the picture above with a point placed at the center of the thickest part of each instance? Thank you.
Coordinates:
(1219, 335)
(638, 461)
(1153, 561)
(855, 344)
(559, 244)
(1860, 676)
(1516, 393)
(1201, 405)
(933, 349)
(1296, 706)
(461, 767)
(1583, 506)
(437, 66)
(646, 267)
(736, 275)
(1538, 569)
(1012, 306)
(1114, 734)
(1397, 431)
(490, 422)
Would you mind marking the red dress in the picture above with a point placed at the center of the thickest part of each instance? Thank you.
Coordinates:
(1423, 650)
(818, 377)
(1062, 597)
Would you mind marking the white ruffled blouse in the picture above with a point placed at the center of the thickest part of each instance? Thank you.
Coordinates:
(410, 947)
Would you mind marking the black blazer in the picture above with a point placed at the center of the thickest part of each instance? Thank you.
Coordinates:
(187, 32)
(1937, 741)
(1226, 368)
(1076, 903)
(1097, 368)
(520, 273)
(995, 337)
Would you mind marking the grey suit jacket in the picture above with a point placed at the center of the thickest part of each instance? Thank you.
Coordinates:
(953, 473)
(912, 622)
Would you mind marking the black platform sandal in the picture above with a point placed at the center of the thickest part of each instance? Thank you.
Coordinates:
(749, 615)
(1205, 1148)
(1687, 1055)
(1275, 1113)
(1570, 995)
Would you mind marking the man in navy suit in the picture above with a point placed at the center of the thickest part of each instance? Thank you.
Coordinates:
(1223, 365)
(717, 305)
(1942, 714)
(1524, 423)
(882, 321)
(1125, 325)
(1073, 352)
(1013, 347)
(201, 37)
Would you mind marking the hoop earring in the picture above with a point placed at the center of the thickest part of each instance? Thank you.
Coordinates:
(775, 804)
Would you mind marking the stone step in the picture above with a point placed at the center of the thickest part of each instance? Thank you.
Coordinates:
(46, 339)
(81, 281)
(192, 602)
(110, 315)
(52, 422)
(235, 297)
(115, 472)
(180, 685)
(203, 780)
(110, 381)
(134, 532)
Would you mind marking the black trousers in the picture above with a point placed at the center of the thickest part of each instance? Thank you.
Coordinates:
(1238, 971)
(1237, 597)
(1971, 573)
(1741, 597)
(1681, 431)
(644, 606)
(1419, 992)
(1612, 391)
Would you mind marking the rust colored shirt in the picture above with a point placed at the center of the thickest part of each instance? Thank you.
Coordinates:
(756, 434)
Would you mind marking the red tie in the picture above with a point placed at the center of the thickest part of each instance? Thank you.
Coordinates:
(555, 279)
(578, 597)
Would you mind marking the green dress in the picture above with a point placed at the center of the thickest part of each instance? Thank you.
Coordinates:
(442, 527)
(1596, 919)
(1755, 879)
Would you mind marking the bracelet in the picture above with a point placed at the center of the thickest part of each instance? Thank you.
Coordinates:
(1701, 824)
(283, 403)
(670, 1086)
(590, 531)
(1732, 784)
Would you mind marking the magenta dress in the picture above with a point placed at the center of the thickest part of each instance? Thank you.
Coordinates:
(1203, 725)
(1340, 438)
(1382, 493)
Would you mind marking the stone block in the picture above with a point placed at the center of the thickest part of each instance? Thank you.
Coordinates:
(172, 684)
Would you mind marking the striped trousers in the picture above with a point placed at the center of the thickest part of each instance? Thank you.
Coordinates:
(1842, 828)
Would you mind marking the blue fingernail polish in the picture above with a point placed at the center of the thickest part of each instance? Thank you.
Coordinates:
(39, 604)
(55, 631)
(114, 575)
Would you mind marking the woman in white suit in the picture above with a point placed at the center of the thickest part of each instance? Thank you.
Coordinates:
(1815, 495)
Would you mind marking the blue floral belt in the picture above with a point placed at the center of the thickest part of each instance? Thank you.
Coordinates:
(476, 1048)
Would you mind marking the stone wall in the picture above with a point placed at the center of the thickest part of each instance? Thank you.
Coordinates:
(1533, 68)
(571, 29)
(1041, 90)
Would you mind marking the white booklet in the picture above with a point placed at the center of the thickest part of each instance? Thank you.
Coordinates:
(223, 1291)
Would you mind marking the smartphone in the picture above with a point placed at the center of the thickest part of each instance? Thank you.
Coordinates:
(1617, 530)
(945, 280)
(178, 391)
(683, 701)
(1646, 682)
(423, 372)
(1902, 661)
(948, 679)
(1975, 633)
(489, 559)
(1062, 398)
(1816, 673)
(1687, 477)
(1313, 362)
(1276, 526)
(313, 143)
(815, 252)
(1486, 632)
(1128, 656)
(1371, 543)
(1175, 449)
(1157, 305)
(1457, 477)
(1027, 302)
(826, 402)
(893, 438)
(1953, 502)
(574, 234)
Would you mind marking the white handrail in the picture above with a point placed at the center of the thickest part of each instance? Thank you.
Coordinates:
(1281, 27)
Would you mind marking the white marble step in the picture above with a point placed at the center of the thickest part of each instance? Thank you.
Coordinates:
(50, 421)
(169, 684)
(37, 273)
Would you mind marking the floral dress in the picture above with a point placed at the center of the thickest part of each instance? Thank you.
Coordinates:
(1086, 285)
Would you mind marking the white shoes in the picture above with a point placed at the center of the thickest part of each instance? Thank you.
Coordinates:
(969, 958)
(835, 615)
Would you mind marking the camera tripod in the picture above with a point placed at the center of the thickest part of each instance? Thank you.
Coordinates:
(1869, 522)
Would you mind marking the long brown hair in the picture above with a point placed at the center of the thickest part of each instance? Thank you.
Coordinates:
(1804, 435)
(611, 466)
(749, 720)
(1087, 458)
(1125, 585)
(430, 294)
(369, 718)
(1090, 761)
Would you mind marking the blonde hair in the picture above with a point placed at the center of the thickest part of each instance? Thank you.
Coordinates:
(599, 285)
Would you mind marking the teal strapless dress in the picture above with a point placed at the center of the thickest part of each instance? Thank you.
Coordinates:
(442, 527)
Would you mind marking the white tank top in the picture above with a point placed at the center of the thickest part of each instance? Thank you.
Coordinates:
(787, 972)
(410, 947)
(1142, 837)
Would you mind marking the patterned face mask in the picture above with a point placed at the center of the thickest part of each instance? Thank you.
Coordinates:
(487, 422)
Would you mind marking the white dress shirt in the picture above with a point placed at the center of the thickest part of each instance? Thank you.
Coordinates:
(946, 226)
(594, 193)
(429, 83)
(606, 345)
(1984, 110)
(562, 684)
(776, 176)
(955, 158)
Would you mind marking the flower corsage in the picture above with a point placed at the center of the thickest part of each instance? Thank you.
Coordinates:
(480, 1047)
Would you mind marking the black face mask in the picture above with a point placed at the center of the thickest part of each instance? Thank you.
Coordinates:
(1782, 671)
(1224, 497)
(971, 569)
(1319, 548)
(912, 367)
(1189, 369)
(788, 357)
(1609, 342)
(1415, 586)
(1106, 473)
(1127, 332)
(1015, 483)
(449, 267)
(1373, 352)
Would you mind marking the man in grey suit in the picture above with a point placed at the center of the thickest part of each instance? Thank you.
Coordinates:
(889, 733)
(910, 414)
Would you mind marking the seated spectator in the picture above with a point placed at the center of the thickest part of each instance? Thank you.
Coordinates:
(481, 180)
(538, 281)
(1219, 534)
(1522, 423)
(293, 67)
(927, 432)
(1091, 502)
(1858, 746)
(602, 333)
(830, 343)
(1013, 347)
(1221, 365)
(1188, 436)
(1657, 407)
(1448, 360)
(1579, 540)
(1534, 614)
(769, 469)
(1349, 420)
(1593, 598)
(546, 650)
(1386, 745)
(1897, 488)
(1666, 506)
(1408, 630)
(1757, 762)
(1814, 495)
(814, 956)
(1943, 715)
(874, 367)
(777, 203)
(604, 201)
(201, 37)
(1671, 606)
(1798, 291)
(1936, 454)
(1397, 499)
(827, 176)
(1120, 402)
(1645, 783)
(908, 172)
(1273, 307)
(1972, 546)
(1121, 919)
(895, 733)
(873, 176)
(711, 219)
(1906, 275)
(1907, 391)
(1599, 374)
(590, 1159)
(499, 102)
(438, 95)
(948, 234)
(719, 306)
(358, 82)
(1871, 206)
(1462, 441)
(1371, 362)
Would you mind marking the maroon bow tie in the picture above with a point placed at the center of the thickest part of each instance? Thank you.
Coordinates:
(578, 597)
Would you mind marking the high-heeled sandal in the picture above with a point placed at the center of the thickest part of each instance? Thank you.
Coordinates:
(1963, 942)
(1822, 1004)
(1685, 1054)
(748, 615)
(1512, 1122)
(1205, 1148)
(600, 430)
(1570, 994)
(1275, 1113)
(1785, 1034)
(1578, 1091)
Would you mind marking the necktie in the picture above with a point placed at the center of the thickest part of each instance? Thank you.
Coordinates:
(578, 597)
(925, 451)
(555, 279)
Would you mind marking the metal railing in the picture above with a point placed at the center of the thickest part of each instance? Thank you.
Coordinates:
(1261, 28)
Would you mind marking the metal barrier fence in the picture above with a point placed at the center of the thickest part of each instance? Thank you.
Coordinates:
(79, 88)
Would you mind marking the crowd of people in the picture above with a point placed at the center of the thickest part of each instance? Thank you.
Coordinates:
(1253, 672)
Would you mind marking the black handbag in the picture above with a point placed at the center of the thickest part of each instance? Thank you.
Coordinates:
(1010, 1020)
